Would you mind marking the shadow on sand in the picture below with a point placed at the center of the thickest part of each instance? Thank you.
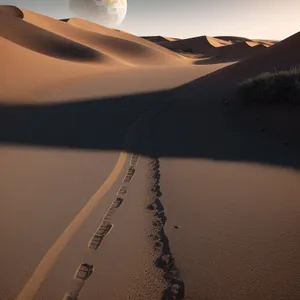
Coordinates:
(186, 126)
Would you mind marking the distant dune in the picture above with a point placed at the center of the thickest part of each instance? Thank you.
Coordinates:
(171, 39)
(155, 39)
(240, 50)
(159, 39)
(202, 44)
(233, 39)
(283, 55)
(229, 48)
(267, 43)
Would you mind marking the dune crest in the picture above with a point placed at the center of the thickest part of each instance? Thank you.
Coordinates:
(202, 44)
(10, 11)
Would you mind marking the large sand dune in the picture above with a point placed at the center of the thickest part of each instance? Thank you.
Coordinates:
(67, 50)
(123, 50)
(86, 25)
(45, 42)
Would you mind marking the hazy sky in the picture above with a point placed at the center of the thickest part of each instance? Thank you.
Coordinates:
(270, 19)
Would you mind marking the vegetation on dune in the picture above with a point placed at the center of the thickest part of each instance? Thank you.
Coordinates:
(277, 87)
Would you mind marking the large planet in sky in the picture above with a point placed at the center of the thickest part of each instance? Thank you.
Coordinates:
(109, 13)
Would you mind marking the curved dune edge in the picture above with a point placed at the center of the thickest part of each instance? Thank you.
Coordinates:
(34, 283)
(47, 43)
(10, 11)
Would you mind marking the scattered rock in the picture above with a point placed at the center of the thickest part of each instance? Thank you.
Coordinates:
(158, 194)
(175, 289)
(152, 206)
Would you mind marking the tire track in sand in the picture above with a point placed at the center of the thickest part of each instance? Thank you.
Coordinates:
(40, 273)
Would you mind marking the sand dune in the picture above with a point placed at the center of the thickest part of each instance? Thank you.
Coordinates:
(240, 50)
(128, 52)
(282, 55)
(236, 39)
(233, 39)
(86, 25)
(159, 39)
(267, 43)
(42, 41)
(202, 44)
(171, 39)
(28, 73)
(155, 39)
(30, 41)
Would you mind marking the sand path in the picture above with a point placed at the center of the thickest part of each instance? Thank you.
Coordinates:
(49, 259)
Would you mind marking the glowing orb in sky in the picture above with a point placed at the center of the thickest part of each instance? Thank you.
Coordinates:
(110, 13)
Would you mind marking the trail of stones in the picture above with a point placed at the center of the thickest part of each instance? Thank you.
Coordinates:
(165, 259)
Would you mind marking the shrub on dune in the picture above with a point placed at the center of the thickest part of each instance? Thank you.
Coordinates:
(278, 87)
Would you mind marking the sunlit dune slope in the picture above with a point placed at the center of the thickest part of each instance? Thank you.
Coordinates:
(37, 51)
(123, 50)
(45, 42)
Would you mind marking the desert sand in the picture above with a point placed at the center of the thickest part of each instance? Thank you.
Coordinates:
(127, 171)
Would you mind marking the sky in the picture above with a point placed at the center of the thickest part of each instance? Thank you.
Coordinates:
(265, 19)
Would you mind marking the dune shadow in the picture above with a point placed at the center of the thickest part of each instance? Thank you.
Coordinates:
(182, 127)
(87, 124)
